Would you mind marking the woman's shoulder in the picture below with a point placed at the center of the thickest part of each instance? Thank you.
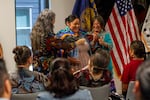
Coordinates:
(81, 94)
(64, 31)
(24, 72)
(106, 33)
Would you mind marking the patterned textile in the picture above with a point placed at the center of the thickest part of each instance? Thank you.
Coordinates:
(25, 81)
(71, 39)
(42, 58)
(65, 30)
(79, 52)
(85, 78)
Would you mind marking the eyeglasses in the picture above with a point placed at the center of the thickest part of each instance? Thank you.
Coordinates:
(96, 67)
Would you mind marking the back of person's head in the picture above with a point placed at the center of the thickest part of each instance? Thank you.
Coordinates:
(100, 60)
(5, 87)
(138, 48)
(143, 81)
(46, 18)
(21, 54)
(62, 79)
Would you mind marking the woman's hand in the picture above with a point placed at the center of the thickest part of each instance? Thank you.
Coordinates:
(101, 42)
(95, 37)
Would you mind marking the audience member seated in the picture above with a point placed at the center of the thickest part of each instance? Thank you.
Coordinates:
(142, 82)
(97, 73)
(137, 55)
(5, 85)
(63, 84)
(24, 80)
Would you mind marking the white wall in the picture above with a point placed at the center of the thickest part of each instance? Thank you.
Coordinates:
(7, 31)
(62, 8)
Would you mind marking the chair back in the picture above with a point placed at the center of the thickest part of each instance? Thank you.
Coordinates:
(27, 96)
(130, 95)
(99, 93)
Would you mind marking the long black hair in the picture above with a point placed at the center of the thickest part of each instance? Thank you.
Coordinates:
(62, 80)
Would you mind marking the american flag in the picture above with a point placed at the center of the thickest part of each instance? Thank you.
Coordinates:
(123, 27)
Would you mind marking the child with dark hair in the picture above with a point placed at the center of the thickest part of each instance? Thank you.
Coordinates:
(137, 54)
(63, 84)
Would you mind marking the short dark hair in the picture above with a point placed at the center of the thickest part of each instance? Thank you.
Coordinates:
(3, 76)
(62, 80)
(71, 18)
(143, 76)
(139, 48)
(22, 53)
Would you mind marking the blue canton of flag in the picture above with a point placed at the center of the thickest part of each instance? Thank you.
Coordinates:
(124, 6)
(86, 11)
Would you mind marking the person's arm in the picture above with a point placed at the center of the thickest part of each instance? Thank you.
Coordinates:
(124, 89)
(1, 51)
(106, 41)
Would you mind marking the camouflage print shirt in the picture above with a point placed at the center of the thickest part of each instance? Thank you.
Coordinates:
(25, 81)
